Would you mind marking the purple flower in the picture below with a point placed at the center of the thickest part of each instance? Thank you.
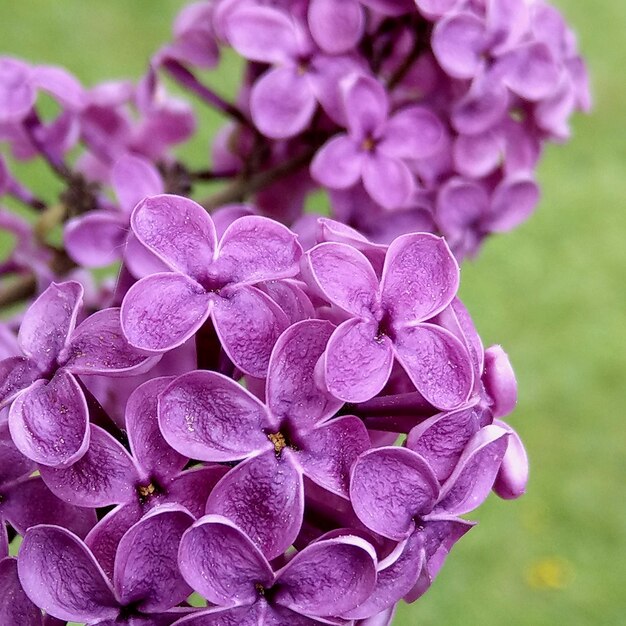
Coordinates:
(60, 574)
(377, 144)
(212, 418)
(325, 580)
(388, 319)
(99, 238)
(150, 476)
(284, 99)
(336, 27)
(15, 606)
(49, 416)
(208, 279)
(395, 493)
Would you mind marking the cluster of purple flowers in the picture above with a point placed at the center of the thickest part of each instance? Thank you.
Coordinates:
(284, 414)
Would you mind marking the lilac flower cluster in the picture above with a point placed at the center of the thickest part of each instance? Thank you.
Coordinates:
(281, 413)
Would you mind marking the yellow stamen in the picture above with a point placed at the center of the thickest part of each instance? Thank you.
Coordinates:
(278, 441)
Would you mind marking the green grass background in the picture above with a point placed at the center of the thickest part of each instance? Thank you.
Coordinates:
(553, 294)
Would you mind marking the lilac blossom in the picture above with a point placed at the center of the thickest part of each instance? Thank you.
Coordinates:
(325, 580)
(377, 144)
(49, 416)
(212, 418)
(208, 279)
(388, 319)
(60, 574)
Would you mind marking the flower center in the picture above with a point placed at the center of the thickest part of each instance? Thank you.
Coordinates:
(278, 441)
(146, 492)
(368, 144)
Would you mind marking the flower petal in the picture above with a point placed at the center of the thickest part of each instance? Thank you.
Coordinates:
(178, 230)
(135, 178)
(255, 249)
(248, 324)
(217, 616)
(209, 417)
(98, 346)
(49, 321)
(282, 103)
(13, 464)
(328, 452)
(30, 502)
(357, 364)
(17, 90)
(513, 473)
(412, 133)
(389, 487)
(442, 438)
(437, 363)
(222, 563)
(512, 203)
(343, 276)
(366, 104)
(16, 608)
(146, 566)
(291, 391)
(329, 577)
(475, 473)
(388, 180)
(420, 278)
(151, 451)
(162, 311)
(338, 163)
(499, 381)
(192, 488)
(62, 577)
(96, 239)
(336, 28)
(264, 497)
(16, 374)
(49, 421)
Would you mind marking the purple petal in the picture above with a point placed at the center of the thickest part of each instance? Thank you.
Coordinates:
(366, 104)
(344, 276)
(384, 618)
(217, 616)
(475, 473)
(437, 363)
(291, 298)
(16, 608)
(254, 249)
(96, 239)
(336, 28)
(209, 417)
(62, 577)
(151, 451)
(264, 496)
(459, 42)
(61, 85)
(412, 133)
(179, 231)
(192, 488)
(478, 155)
(262, 34)
(329, 577)
(461, 205)
(280, 616)
(338, 163)
(29, 502)
(396, 576)
(222, 563)
(291, 391)
(442, 438)
(499, 381)
(387, 180)
(4, 541)
(105, 475)
(108, 532)
(135, 178)
(358, 362)
(513, 474)
(248, 324)
(49, 421)
(483, 107)
(49, 321)
(16, 374)
(389, 487)
(146, 567)
(282, 103)
(13, 464)
(420, 278)
(17, 91)
(162, 311)
(98, 346)
(530, 71)
(139, 260)
(328, 452)
(512, 203)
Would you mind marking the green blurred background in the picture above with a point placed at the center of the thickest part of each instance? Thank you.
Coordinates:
(553, 294)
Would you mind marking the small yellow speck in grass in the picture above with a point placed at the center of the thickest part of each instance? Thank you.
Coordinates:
(550, 572)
